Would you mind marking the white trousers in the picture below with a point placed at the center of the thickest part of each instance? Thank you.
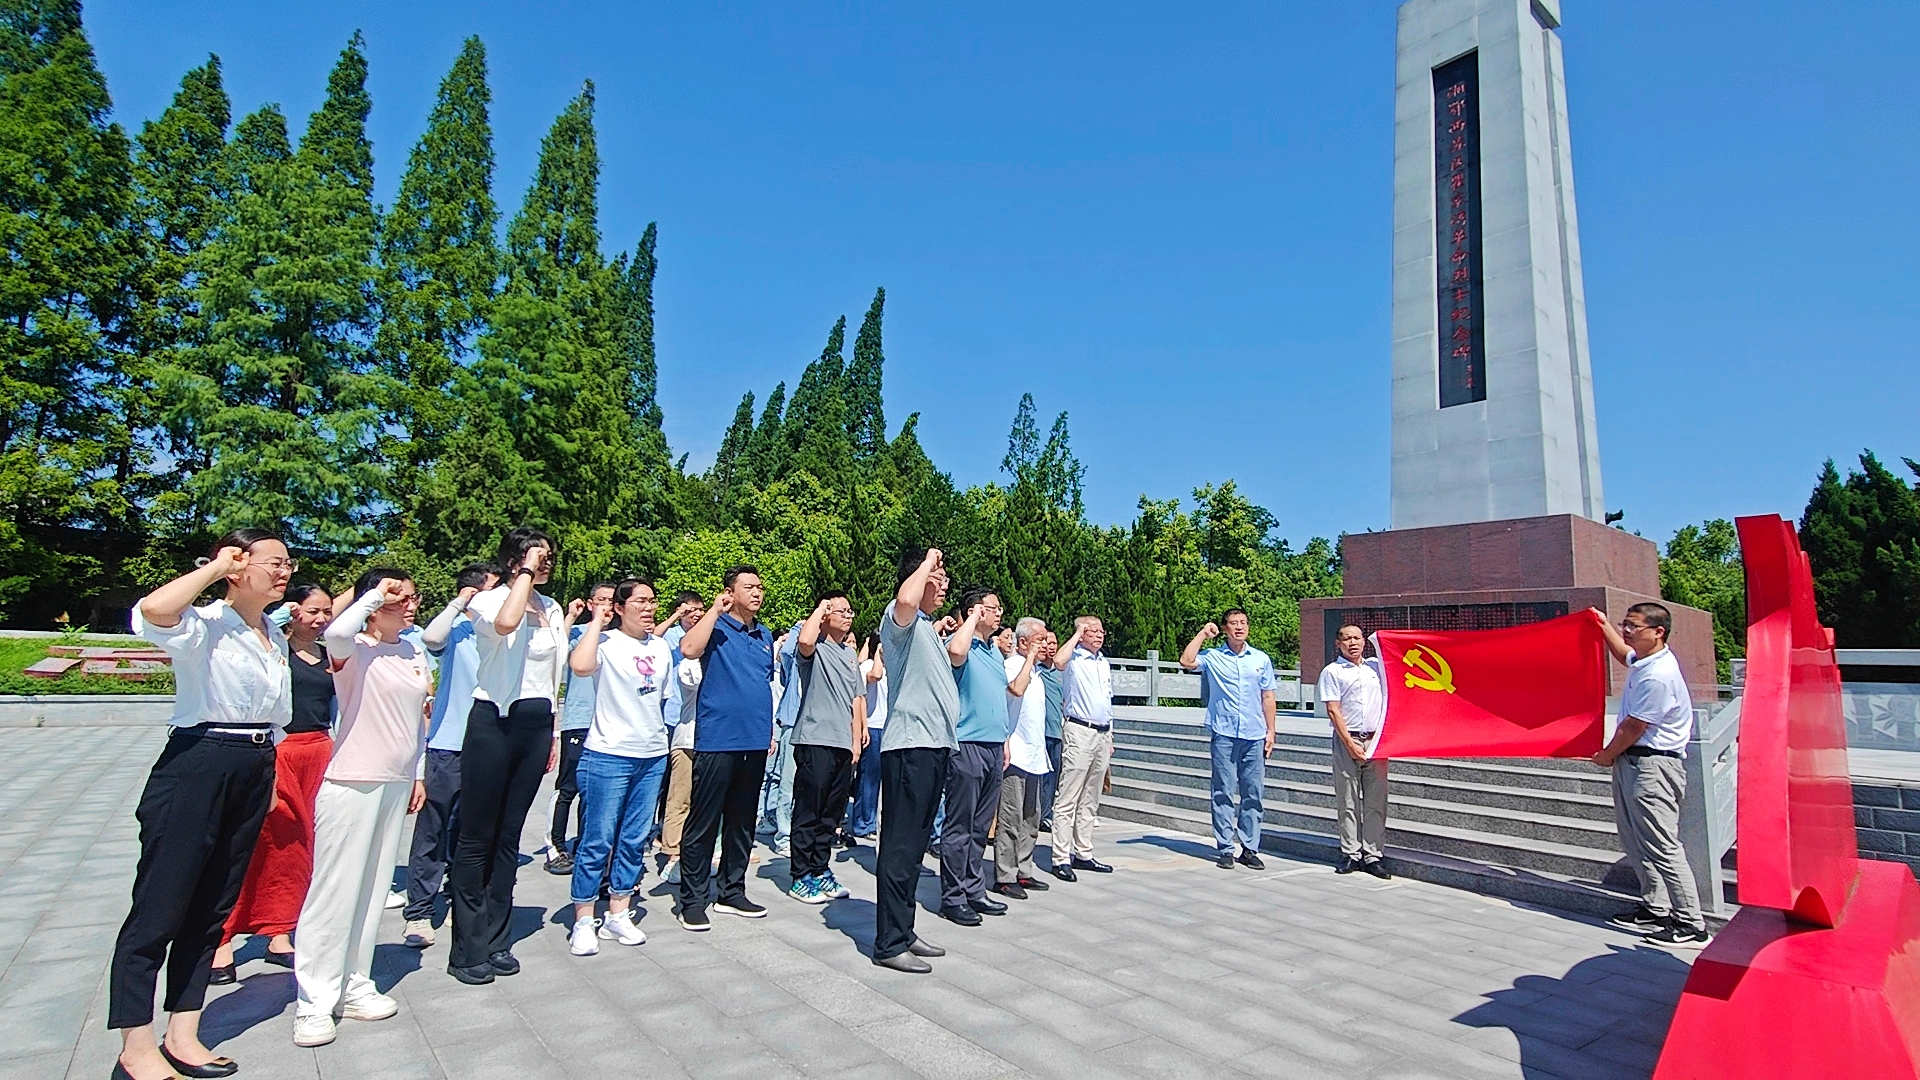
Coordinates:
(1084, 753)
(356, 842)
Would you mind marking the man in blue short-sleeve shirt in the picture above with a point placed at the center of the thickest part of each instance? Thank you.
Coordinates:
(733, 732)
(1238, 684)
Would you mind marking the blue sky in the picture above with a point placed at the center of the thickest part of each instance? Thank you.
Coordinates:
(1172, 221)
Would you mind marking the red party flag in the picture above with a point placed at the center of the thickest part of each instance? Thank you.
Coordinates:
(1538, 690)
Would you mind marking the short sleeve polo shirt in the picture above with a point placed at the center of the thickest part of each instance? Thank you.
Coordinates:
(1234, 683)
(983, 695)
(735, 709)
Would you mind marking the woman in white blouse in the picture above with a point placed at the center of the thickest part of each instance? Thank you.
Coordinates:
(521, 638)
(201, 810)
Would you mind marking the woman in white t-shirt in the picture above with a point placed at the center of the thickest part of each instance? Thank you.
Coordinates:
(520, 637)
(622, 762)
(371, 786)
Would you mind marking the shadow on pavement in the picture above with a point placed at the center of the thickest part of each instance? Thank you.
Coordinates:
(1607, 1010)
(1194, 848)
(257, 999)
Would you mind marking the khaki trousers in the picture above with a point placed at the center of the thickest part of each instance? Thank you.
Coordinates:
(1019, 826)
(679, 798)
(1084, 753)
(1360, 793)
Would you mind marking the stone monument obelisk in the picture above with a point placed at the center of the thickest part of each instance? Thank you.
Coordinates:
(1497, 512)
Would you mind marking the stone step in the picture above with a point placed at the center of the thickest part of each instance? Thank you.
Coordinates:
(1556, 857)
(1438, 788)
(1525, 885)
(1578, 777)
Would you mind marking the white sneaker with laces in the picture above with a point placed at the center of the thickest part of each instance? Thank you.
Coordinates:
(620, 927)
(671, 875)
(369, 1006)
(419, 933)
(396, 898)
(584, 941)
(313, 1029)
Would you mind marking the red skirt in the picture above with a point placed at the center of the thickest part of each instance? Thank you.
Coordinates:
(282, 865)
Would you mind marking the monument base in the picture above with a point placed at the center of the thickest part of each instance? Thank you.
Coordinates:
(1492, 574)
(1771, 998)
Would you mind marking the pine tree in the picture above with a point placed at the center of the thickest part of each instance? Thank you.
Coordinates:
(766, 456)
(440, 268)
(1023, 443)
(636, 343)
(273, 379)
(68, 254)
(815, 425)
(866, 414)
(732, 460)
(1862, 537)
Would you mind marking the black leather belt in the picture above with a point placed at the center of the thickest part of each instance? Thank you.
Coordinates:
(1648, 751)
(1088, 723)
(238, 733)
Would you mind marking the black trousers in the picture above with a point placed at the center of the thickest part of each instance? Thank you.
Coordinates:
(435, 829)
(566, 787)
(822, 781)
(501, 763)
(199, 817)
(723, 806)
(910, 782)
(973, 801)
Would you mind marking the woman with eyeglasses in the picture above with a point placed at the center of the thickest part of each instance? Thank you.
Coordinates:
(511, 741)
(282, 864)
(201, 810)
(372, 784)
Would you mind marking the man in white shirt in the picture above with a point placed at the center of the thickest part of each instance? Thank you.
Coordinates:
(1086, 747)
(1356, 703)
(1026, 765)
(1648, 757)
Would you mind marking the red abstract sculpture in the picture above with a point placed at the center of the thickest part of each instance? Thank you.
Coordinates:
(1819, 973)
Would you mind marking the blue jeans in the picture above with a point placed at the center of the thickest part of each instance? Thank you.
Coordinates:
(776, 790)
(1239, 768)
(864, 818)
(618, 797)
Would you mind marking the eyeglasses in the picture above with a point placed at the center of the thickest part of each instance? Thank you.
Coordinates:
(411, 599)
(1630, 628)
(291, 566)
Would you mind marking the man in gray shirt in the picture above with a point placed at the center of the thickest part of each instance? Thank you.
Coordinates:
(829, 728)
(923, 703)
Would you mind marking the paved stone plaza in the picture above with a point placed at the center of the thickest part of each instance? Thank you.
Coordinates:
(1170, 967)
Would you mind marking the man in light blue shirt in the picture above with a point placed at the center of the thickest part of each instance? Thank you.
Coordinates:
(1237, 683)
(449, 636)
(975, 770)
(776, 787)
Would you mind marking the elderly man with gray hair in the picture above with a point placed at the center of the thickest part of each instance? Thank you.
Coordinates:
(1026, 765)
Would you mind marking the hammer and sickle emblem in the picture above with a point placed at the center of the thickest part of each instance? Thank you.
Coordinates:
(1439, 672)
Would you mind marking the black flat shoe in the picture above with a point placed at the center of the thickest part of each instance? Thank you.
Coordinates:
(1251, 861)
(222, 975)
(279, 959)
(218, 1067)
(987, 907)
(1094, 865)
(906, 962)
(477, 975)
(963, 916)
(1034, 884)
(503, 963)
(1225, 862)
(1011, 890)
(1064, 873)
(922, 948)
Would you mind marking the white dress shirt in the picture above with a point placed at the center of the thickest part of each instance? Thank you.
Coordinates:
(1358, 689)
(516, 665)
(223, 673)
(1087, 693)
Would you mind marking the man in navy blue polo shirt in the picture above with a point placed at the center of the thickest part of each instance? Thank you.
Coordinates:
(733, 733)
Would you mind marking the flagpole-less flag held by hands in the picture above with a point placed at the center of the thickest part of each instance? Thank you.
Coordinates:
(1527, 691)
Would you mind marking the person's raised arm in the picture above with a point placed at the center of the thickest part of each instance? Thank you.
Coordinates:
(514, 608)
(1190, 656)
(1065, 654)
(809, 635)
(961, 643)
(1616, 644)
(435, 636)
(584, 660)
(906, 599)
(694, 644)
(341, 631)
(1018, 684)
(163, 606)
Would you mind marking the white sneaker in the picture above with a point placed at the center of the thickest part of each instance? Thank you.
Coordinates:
(620, 927)
(419, 933)
(313, 1029)
(370, 1006)
(396, 898)
(583, 941)
(671, 875)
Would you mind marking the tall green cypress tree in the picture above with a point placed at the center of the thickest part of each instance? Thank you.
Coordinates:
(766, 456)
(732, 459)
(866, 414)
(68, 257)
(815, 425)
(633, 302)
(273, 380)
(440, 268)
